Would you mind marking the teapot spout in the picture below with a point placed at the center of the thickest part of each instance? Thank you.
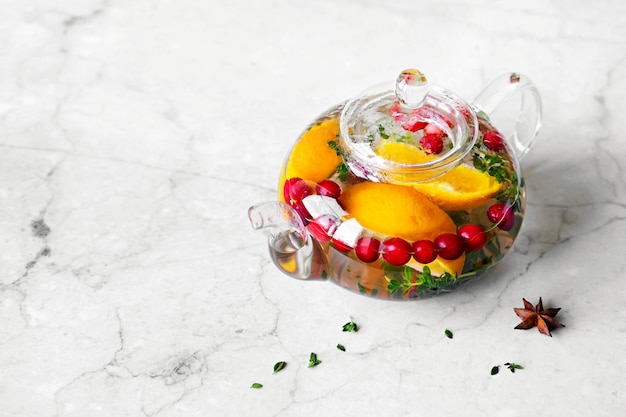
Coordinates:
(291, 247)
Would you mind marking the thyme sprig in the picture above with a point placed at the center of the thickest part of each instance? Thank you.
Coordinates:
(423, 282)
(494, 165)
(342, 168)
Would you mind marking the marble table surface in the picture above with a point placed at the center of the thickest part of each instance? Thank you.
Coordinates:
(135, 134)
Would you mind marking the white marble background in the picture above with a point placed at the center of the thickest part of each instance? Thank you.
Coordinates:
(135, 134)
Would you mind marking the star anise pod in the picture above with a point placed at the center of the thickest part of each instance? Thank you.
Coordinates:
(537, 316)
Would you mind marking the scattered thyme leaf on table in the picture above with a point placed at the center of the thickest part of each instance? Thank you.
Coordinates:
(449, 334)
(513, 366)
(350, 326)
(279, 366)
(256, 385)
(313, 361)
(341, 347)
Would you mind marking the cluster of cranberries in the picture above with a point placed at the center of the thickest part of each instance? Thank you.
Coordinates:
(396, 251)
(296, 189)
(432, 138)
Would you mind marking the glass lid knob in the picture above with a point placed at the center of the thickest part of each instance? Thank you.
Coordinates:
(411, 88)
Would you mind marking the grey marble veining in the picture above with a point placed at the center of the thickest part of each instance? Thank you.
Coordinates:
(134, 136)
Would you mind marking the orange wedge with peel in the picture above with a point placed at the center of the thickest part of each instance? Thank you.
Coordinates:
(402, 152)
(400, 211)
(312, 158)
(462, 188)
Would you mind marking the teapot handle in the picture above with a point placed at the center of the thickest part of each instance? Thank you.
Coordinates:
(526, 119)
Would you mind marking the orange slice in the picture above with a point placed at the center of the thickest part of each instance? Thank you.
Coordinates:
(461, 188)
(439, 266)
(400, 211)
(403, 153)
(312, 158)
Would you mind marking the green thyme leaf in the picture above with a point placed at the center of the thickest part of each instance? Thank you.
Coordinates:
(381, 130)
(334, 145)
(279, 366)
(313, 361)
(495, 369)
(393, 285)
(256, 385)
(513, 366)
(449, 334)
(343, 171)
(350, 326)
(340, 347)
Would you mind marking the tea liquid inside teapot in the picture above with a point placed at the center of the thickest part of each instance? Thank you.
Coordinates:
(394, 236)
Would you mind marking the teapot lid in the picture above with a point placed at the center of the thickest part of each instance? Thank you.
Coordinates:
(411, 133)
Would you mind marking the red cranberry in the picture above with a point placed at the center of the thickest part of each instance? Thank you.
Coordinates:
(424, 251)
(294, 191)
(322, 228)
(413, 123)
(302, 211)
(341, 246)
(449, 246)
(493, 140)
(328, 188)
(434, 130)
(432, 143)
(396, 112)
(502, 215)
(367, 249)
(396, 251)
(473, 235)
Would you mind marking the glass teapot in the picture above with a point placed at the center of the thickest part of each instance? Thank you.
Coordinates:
(403, 192)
